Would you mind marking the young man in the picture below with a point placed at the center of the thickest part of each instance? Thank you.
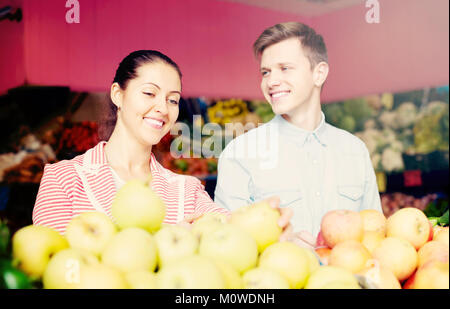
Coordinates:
(312, 166)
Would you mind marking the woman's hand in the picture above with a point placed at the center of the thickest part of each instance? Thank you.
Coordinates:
(188, 220)
(285, 216)
(303, 239)
(284, 220)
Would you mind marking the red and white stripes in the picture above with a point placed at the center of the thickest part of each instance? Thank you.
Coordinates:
(64, 193)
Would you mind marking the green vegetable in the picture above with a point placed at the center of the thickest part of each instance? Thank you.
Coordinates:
(443, 220)
(4, 239)
(12, 278)
(212, 166)
(181, 164)
(436, 208)
(434, 220)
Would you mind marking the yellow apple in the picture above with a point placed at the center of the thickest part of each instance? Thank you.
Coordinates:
(264, 278)
(289, 260)
(349, 254)
(101, 276)
(231, 277)
(260, 220)
(410, 224)
(313, 260)
(141, 279)
(174, 242)
(63, 271)
(33, 246)
(232, 245)
(194, 272)
(207, 223)
(433, 250)
(382, 277)
(131, 249)
(90, 231)
(397, 255)
(371, 240)
(340, 285)
(432, 275)
(442, 235)
(327, 277)
(373, 221)
(137, 205)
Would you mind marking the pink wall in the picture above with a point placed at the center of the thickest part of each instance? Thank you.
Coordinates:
(408, 49)
(211, 41)
(12, 69)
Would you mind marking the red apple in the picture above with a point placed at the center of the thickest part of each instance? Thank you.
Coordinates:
(409, 283)
(320, 242)
(430, 238)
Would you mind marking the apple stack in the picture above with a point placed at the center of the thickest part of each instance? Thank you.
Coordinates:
(132, 248)
(402, 251)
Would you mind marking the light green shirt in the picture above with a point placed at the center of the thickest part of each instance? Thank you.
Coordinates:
(312, 172)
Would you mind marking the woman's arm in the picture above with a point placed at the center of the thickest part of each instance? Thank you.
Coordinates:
(204, 203)
(53, 207)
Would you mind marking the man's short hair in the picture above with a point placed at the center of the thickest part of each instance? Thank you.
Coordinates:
(312, 43)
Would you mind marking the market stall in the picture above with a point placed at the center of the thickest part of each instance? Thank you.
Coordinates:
(53, 109)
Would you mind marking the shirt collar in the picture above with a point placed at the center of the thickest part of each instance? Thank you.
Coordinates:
(301, 136)
(98, 157)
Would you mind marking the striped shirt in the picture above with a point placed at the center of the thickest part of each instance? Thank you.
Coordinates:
(86, 183)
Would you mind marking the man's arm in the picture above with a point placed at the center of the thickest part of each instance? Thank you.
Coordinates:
(371, 196)
(232, 183)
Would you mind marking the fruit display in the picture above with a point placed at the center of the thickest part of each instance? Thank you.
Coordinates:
(392, 202)
(134, 249)
(76, 138)
(227, 111)
(404, 250)
(11, 277)
(27, 164)
(198, 167)
(402, 131)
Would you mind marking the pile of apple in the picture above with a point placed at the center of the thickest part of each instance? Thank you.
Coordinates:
(403, 251)
(132, 248)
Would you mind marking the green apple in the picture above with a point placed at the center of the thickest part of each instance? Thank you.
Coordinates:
(141, 279)
(264, 278)
(313, 260)
(232, 245)
(131, 249)
(90, 231)
(208, 223)
(33, 246)
(173, 243)
(64, 268)
(194, 272)
(260, 220)
(289, 260)
(328, 277)
(232, 278)
(101, 276)
(137, 205)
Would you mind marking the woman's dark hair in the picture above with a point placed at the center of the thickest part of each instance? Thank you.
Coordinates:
(127, 71)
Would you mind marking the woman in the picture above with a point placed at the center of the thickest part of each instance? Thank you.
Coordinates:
(144, 100)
